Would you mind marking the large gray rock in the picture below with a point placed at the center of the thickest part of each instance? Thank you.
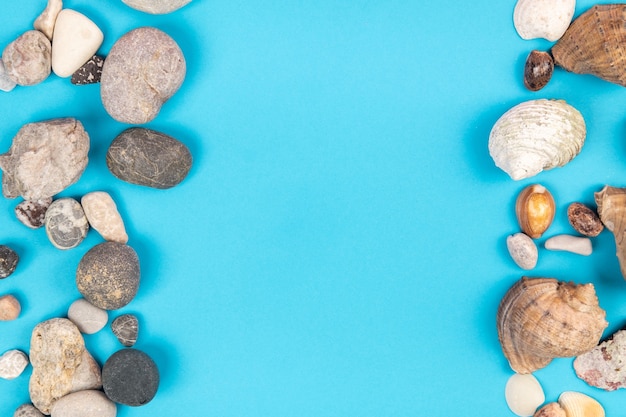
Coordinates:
(144, 68)
(28, 59)
(44, 159)
(156, 6)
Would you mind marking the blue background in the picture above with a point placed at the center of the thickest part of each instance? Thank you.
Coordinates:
(338, 248)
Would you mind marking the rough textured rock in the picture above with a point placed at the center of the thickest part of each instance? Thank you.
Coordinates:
(603, 367)
(45, 21)
(147, 157)
(88, 403)
(60, 363)
(108, 275)
(44, 159)
(27, 410)
(8, 261)
(88, 318)
(102, 214)
(12, 364)
(32, 214)
(126, 329)
(76, 39)
(130, 377)
(90, 72)
(28, 59)
(156, 6)
(144, 68)
(10, 308)
(66, 223)
(6, 83)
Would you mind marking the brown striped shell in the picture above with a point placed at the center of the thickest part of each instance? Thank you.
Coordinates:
(540, 319)
(595, 43)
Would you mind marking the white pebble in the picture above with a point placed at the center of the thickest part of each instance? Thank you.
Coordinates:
(524, 394)
(523, 250)
(88, 318)
(575, 244)
(12, 364)
(102, 214)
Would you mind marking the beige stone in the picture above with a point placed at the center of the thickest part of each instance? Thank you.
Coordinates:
(10, 308)
(103, 216)
(45, 21)
(90, 403)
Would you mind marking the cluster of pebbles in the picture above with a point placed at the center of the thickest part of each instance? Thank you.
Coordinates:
(143, 69)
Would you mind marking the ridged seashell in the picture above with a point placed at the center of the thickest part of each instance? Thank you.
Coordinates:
(577, 404)
(540, 319)
(536, 135)
(595, 43)
(611, 202)
(546, 19)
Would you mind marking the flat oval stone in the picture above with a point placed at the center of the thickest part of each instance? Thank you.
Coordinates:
(102, 214)
(32, 214)
(8, 261)
(10, 307)
(144, 68)
(108, 275)
(147, 157)
(130, 377)
(66, 223)
(126, 329)
(156, 6)
(12, 364)
(27, 410)
(90, 403)
(28, 59)
(88, 318)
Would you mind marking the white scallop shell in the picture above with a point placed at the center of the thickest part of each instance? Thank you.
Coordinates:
(523, 394)
(536, 135)
(548, 19)
(577, 404)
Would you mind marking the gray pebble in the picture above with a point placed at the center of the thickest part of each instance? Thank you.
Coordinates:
(130, 377)
(108, 275)
(144, 68)
(90, 72)
(146, 157)
(66, 223)
(28, 59)
(32, 214)
(88, 318)
(8, 261)
(27, 410)
(88, 403)
(156, 6)
(126, 329)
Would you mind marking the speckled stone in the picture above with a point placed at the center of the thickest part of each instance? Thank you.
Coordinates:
(90, 72)
(12, 364)
(56, 147)
(28, 59)
(144, 68)
(88, 403)
(102, 214)
(130, 377)
(156, 6)
(147, 157)
(126, 329)
(27, 410)
(6, 83)
(603, 366)
(10, 308)
(8, 261)
(108, 275)
(88, 318)
(66, 223)
(32, 214)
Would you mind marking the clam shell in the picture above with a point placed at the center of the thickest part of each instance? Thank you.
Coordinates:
(577, 404)
(540, 319)
(611, 202)
(546, 19)
(595, 43)
(536, 135)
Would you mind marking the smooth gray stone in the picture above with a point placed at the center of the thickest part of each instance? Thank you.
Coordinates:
(156, 6)
(28, 59)
(8, 261)
(108, 275)
(126, 329)
(87, 403)
(130, 377)
(147, 157)
(66, 223)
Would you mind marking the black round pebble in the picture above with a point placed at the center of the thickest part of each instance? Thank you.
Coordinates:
(130, 377)
(8, 261)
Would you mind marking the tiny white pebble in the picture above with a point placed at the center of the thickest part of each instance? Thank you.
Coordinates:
(575, 244)
(524, 394)
(523, 250)
(12, 364)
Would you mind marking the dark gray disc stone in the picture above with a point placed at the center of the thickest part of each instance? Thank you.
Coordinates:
(8, 261)
(130, 377)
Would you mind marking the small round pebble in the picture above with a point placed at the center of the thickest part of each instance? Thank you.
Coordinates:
(88, 318)
(8, 261)
(12, 364)
(108, 275)
(523, 250)
(28, 59)
(126, 329)
(10, 308)
(27, 410)
(87, 403)
(130, 377)
(32, 213)
(523, 394)
(66, 223)
(584, 220)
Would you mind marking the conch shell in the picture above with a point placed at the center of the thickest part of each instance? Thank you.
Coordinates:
(611, 202)
(595, 43)
(546, 19)
(536, 135)
(540, 319)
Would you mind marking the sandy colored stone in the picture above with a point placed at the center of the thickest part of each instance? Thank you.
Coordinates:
(88, 374)
(44, 159)
(10, 308)
(45, 21)
(88, 318)
(27, 410)
(28, 59)
(156, 6)
(88, 403)
(102, 214)
(12, 364)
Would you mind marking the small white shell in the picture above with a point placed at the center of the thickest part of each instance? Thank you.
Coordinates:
(523, 394)
(548, 19)
(523, 250)
(536, 135)
(577, 404)
(575, 244)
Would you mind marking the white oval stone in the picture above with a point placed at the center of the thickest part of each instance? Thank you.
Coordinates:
(524, 394)
(575, 244)
(76, 39)
(90, 403)
(102, 214)
(523, 250)
(87, 317)
(12, 364)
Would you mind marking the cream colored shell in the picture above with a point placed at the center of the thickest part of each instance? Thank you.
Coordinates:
(536, 135)
(547, 19)
(577, 404)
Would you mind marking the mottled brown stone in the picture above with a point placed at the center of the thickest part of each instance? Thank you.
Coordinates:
(584, 220)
